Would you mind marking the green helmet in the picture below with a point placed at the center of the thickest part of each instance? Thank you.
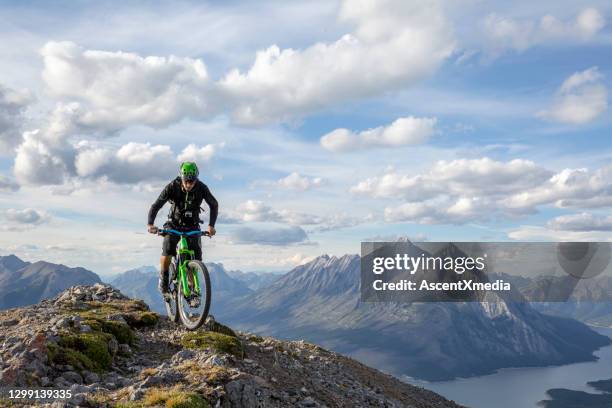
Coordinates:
(189, 171)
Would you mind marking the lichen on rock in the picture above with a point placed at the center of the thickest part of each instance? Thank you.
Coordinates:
(218, 342)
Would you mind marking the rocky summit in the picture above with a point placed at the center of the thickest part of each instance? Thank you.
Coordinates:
(112, 351)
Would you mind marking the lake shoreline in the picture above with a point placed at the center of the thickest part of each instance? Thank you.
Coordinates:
(526, 386)
(413, 380)
(600, 397)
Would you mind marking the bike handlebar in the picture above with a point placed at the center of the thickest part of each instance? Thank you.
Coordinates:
(162, 231)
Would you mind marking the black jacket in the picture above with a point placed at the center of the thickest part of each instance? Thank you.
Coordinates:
(185, 211)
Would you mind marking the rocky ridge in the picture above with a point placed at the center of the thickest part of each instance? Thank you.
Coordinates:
(112, 351)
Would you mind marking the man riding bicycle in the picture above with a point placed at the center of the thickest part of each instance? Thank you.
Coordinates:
(186, 193)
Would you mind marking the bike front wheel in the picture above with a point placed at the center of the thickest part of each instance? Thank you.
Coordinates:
(194, 308)
(172, 303)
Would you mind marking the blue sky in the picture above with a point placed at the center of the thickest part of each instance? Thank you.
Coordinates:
(316, 124)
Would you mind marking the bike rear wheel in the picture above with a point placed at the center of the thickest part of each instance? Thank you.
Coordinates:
(172, 302)
(194, 317)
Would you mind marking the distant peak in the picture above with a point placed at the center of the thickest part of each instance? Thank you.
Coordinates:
(321, 259)
(217, 264)
(12, 262)
(349, 256)
(334, 258)
(326, 260)
(11, 257)
(146, 269)
(46, 263)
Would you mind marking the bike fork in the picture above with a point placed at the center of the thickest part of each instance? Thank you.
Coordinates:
(186, 290)
(196, 283)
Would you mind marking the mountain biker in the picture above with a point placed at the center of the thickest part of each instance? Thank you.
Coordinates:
(186, 193)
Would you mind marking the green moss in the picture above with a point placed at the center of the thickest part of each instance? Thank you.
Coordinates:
(95, 324)
(256, 339)
(149, 318)
(221, 328)
(132, 305)
(197, 373)
(128, 404)
(173, 398)
(122, 332)
(135, 312)
(90, 350)
(186, 400)
(102, 309)
(93, 345)
(142, 319)
(216, 341)
(65, 355)
(52, 350)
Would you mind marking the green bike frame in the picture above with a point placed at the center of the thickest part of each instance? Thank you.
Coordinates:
(184, 256)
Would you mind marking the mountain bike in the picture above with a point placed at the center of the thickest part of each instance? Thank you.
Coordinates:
(188, 284)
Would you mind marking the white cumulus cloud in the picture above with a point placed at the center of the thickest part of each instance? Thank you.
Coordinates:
(458, 210)
(580, 99)
(503, 33)
(403, 131)
(198, 154)
(254, 210)
(581, 222)
(458, 177)
(26, 216)
(12, 106)
(281, 236)
(388, 46)
(465, 190)
(40, 161)
(296, 181)
(21, 219)
(258, 211)
(539, 233)
(7, 184)
(131, 163)
(394, 43)
(119, 89)
(575, 188)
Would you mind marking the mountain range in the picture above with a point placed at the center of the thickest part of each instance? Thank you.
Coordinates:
(320, 301)
(254, 280)
(24, 283)
(588, 300)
